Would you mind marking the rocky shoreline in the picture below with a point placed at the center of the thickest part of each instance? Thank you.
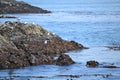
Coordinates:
(26, 44)
(13, 6)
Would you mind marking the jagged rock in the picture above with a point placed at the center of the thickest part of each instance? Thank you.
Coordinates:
(25, 44)
(13, 6)
(92, 64)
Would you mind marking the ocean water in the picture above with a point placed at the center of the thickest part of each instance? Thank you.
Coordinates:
(93, 23)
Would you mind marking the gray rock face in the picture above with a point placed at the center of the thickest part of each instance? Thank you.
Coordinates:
(13, 6)
(25, 44)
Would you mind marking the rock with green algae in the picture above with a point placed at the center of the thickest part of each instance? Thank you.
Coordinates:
(26, 44)
(13, 6)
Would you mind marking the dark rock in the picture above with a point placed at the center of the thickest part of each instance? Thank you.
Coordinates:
(92, 64)
(25, 44)
(64, 60)
(13, 6)
(110, 66)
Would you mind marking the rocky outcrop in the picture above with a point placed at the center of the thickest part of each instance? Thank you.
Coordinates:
(13, 6)
(25, 44)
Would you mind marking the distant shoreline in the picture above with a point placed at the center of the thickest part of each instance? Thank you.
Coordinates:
(13, 6)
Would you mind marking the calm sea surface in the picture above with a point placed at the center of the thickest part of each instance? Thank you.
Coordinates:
(93, 23)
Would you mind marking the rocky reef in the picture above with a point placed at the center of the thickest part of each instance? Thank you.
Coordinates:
(26, 44)
(13, 6)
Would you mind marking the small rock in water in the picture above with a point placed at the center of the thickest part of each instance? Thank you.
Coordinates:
(92, 63)
(64, 60)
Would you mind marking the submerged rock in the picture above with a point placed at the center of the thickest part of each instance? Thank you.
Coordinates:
(25, 44)
(117, 47)
(13, 6)
(111, 66)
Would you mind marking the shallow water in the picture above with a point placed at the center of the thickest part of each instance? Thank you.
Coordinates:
(93, 23)
(52, 72)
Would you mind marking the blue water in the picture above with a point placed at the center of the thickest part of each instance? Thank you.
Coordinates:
(93, 23)
(90, 22)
